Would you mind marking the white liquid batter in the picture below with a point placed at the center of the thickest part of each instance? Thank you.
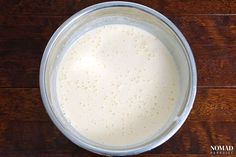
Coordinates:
(117, 85)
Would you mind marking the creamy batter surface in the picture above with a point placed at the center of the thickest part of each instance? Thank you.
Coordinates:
(117, 85)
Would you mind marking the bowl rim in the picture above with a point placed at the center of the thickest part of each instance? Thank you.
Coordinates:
(136, 150)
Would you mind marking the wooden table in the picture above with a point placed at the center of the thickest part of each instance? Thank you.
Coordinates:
(25, 28)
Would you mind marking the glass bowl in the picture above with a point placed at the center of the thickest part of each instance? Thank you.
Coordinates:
(119, 13)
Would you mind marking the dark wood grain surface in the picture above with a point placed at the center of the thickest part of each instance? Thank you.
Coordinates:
(25, 28)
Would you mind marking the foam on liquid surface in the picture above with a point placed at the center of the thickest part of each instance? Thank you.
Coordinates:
(117, 85)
